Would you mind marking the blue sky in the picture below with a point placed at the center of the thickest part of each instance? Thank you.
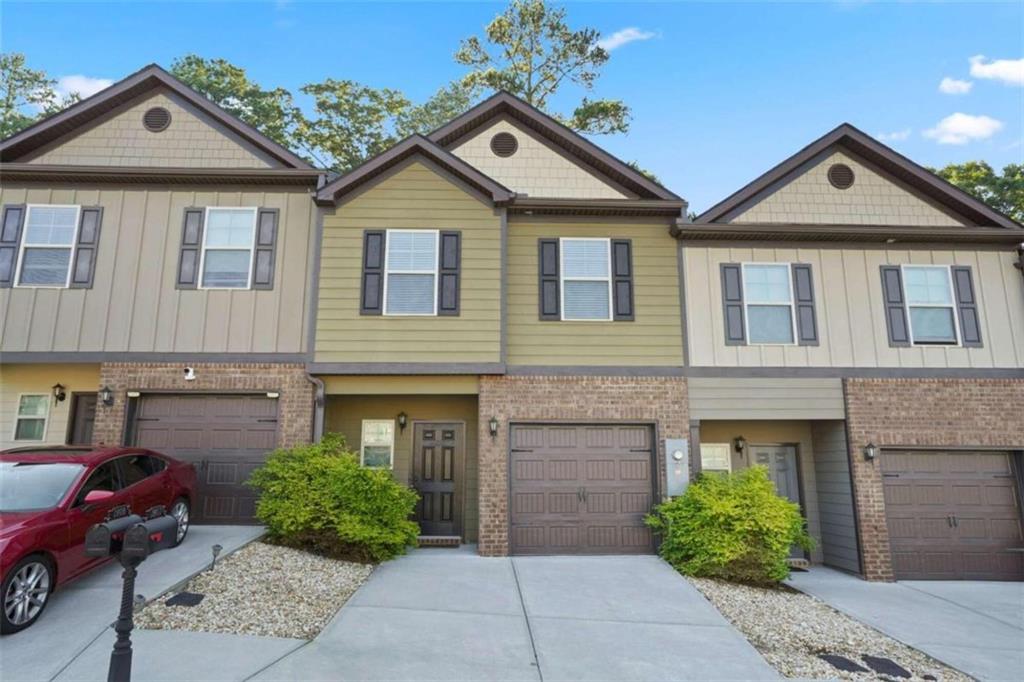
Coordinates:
(720, 92)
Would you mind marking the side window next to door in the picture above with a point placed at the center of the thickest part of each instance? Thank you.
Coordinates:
(103, 478)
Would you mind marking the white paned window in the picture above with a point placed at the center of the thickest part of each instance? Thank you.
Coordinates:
(48, 246)
(768, 303)
(586, 279)
(929, 293)
(30, 422)
(228, 240)
(377, 444)
(410, 281)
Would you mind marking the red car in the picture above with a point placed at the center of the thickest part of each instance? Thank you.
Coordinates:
(49, 497)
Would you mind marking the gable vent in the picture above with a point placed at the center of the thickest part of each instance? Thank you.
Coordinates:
(840, 175)
(504, 144)
(156, 119)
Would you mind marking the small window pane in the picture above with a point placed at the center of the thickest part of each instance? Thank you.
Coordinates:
(585, 258)
(770, 324)
(51, 225)
(412, 250)
(33, 405)
(29, 429)
(586, 300)
(377, 456)
(766, 283)
(933, 325)
(927, 285)
(45, 267)
(226, 269)
(229, 227)
(378, 442)
(410, 295)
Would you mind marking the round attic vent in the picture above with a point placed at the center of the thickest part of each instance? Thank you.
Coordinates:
(840, 175)
(504, 144)
(156, 119)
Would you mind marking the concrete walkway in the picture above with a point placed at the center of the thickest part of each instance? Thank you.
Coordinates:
(973, 626)
(441, 614)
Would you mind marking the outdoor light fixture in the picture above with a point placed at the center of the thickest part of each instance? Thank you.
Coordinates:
(58, 393)
(493, 426)
(106, 396)
(403, 419)
(870, 452)
(740, 443)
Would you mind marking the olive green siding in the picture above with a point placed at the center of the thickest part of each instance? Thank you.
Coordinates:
(344, 415)
(133, 305)
(415, 197)
(654, 338)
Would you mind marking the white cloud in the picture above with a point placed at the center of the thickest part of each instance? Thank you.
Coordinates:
(962, 128)
(895, 136)
(1009, 71)
(83, 85)
(953, 86)
(623, 37)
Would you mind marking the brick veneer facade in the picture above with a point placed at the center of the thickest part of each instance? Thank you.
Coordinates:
(930, 413)
(661, 401)
(295, 404)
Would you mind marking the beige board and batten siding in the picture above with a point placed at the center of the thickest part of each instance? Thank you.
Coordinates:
(192, 140)
(873, 199)
(765, 398)
(850, 310)
(535, 169)
(414, 197)
(18, 380)
(133, 305)
(653, 338)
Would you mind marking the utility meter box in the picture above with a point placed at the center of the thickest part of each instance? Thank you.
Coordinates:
(677, 465)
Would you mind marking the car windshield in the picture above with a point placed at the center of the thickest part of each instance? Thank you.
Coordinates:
(25, 486)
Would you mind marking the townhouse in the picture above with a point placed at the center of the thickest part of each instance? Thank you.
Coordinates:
(522, 327)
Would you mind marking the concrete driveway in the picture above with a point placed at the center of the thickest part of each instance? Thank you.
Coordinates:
(442, 614)
(79, 614)
(973, 626)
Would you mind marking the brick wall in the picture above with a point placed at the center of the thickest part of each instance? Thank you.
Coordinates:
(657, 400)
(295, 404)
(930, 413)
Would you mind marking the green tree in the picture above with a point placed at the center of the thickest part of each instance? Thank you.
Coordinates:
(26, 95)
(530, 51)
(1005, 192)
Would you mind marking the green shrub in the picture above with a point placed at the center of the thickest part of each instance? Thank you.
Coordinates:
(730, 526)
(318, 497)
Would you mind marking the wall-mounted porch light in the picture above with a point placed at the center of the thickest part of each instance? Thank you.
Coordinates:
(106, 396)
(403, 419)
(492, 426)
(870, 452)
(58, 393)
(740, 443)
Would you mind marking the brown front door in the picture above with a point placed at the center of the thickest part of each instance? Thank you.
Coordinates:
(226, 437)
(580, 489)
(83, 416)
(952, 515)
(438, 450)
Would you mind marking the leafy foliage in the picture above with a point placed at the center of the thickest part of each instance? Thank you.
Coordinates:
(26, 95)
(1005, 192)
(730, 526)
(318, 497)
(530, 51)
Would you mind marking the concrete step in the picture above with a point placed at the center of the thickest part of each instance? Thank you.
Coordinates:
(439, 540)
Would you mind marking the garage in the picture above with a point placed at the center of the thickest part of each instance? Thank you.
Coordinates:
(953, 515)
(580, 488)
(224, 436)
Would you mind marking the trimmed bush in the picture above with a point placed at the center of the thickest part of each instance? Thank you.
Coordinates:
(318, 498)
(730, 526)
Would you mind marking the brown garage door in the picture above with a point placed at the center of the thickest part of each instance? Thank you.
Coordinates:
(580, 489)
(952, 515)
(225, 436)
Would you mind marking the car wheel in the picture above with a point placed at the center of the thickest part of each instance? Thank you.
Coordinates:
(26, 591)
(180, 511)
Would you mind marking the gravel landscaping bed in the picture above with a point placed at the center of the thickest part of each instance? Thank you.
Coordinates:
(264, 590)
(791, 629)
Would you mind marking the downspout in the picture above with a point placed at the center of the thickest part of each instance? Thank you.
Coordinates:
(318, 407)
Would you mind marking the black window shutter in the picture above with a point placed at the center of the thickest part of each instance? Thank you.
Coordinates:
(803, 298)
(895, 310)
(448, 270)
(967, 306)
(371, 298)
(547, 269)
(87, 247)
(10, 239)
(622, 278)
(266, 246)
(191, 247)
(732, 304)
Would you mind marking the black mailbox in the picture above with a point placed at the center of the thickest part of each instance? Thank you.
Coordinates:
(146, 537)
(105, 539)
